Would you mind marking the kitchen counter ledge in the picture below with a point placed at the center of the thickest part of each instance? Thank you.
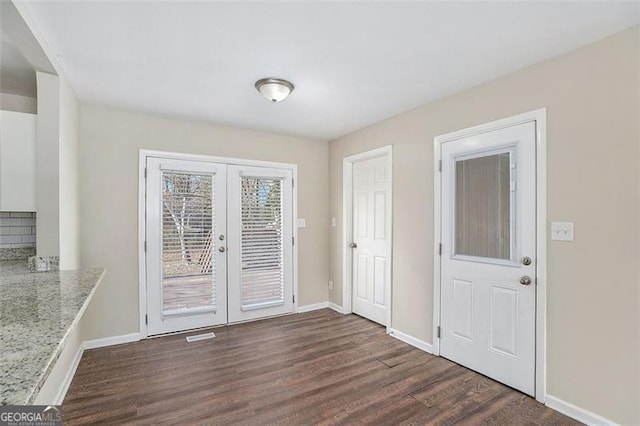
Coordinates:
(37, 313)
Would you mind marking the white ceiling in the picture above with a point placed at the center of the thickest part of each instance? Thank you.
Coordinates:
(17, 76)
(353, 64)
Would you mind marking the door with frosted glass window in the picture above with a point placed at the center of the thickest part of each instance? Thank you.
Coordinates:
(488, 288)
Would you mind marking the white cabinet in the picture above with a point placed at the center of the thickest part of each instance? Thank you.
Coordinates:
(18, 135)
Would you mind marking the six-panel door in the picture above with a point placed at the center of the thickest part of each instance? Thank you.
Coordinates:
(371, 206)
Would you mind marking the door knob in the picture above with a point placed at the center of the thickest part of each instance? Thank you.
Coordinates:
(353, 245)
(221, 249)
(526, 261)
(525, 280)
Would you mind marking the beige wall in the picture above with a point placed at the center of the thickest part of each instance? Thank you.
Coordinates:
(69, 190)
(17, 103)
(47, 166)
(58, 189)
(111, 140)
(591, 96)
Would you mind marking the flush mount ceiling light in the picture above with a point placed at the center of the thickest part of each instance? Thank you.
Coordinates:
(274, 89)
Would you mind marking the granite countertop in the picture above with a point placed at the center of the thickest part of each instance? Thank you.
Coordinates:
(37, 311)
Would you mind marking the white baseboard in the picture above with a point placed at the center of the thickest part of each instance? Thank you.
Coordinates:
(111, 341)
(90, 344)
(335, 307)
(417, 343)
(313, 307)
(577, 413)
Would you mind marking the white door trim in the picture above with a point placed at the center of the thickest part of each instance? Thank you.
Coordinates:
(539, 116)
(347, 234)
(142, 221)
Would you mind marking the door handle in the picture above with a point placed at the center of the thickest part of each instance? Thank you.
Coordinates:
(222, 249)
(525, 280)
(526, 261)
(353, 245)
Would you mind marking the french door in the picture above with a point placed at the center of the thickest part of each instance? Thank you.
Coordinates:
(488, 288)
(219, 243)
(261, 242)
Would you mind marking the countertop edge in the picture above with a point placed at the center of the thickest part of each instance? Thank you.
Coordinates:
(56, 353)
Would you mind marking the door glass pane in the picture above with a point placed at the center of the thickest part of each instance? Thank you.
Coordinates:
(262, 243)
(188, 268)
(483, 207)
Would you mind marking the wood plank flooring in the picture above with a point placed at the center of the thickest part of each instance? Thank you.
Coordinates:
(320, 367)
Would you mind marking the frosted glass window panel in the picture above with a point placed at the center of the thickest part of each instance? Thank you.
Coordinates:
(187, 222)
(262, 242)
(483, 207)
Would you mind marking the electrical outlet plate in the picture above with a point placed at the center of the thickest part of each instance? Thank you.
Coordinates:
(562, 231)
(302, 223)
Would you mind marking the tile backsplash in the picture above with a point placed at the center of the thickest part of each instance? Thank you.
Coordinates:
(17, 230)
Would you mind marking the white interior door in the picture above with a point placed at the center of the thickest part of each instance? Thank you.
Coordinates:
(488, 287)
(371, 266)
(185, 217)
(260, 244)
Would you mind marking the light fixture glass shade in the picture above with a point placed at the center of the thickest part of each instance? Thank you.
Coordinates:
(274, 89)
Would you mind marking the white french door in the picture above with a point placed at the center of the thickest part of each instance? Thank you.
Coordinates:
(488, 287)
(219, 243)
(186, 274)
(260, 242)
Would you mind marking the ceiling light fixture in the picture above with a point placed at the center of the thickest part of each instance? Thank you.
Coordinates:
(274, 89)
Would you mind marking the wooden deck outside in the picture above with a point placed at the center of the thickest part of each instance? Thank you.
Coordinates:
(197, 290)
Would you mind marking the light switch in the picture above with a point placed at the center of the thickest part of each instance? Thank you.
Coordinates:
(302, 223)
(562, 231)
(333, 222)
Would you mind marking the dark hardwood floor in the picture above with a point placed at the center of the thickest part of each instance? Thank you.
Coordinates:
(314, 368)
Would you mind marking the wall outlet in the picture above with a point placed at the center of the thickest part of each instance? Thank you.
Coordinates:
(562, 231)
(330, 285)
(333, 222)
(302, 222)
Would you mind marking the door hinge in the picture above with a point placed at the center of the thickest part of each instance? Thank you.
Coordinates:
(440, 248)
(146, 319)
(294, 298)
(439, 165)
(293, 183)
(145, 246)
(293, 241)
(438, 332)
(145, 172)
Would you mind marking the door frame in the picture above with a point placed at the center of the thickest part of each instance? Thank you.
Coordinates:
(142, 217)
(347, 233)
(539, 117)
